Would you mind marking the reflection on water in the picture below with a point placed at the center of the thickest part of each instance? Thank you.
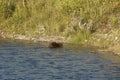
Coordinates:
(34, 61)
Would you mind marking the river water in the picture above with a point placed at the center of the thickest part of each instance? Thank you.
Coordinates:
(34, 61)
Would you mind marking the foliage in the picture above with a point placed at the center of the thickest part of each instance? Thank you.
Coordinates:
(71, 18)
(7, 8)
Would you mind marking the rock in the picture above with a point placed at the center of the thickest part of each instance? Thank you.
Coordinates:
(55, 45)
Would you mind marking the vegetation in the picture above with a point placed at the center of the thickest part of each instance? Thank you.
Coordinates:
(78, 20)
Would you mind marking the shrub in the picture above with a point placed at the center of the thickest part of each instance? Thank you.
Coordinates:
(7, 8)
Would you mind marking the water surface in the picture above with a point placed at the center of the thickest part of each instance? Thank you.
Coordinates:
(34, 61)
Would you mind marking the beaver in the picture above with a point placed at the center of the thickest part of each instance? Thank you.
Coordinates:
(55, 45)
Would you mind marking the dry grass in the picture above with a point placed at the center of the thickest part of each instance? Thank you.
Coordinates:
(77, 20)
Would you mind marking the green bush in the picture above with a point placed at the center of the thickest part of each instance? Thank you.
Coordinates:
(70, 18)
(7, 9)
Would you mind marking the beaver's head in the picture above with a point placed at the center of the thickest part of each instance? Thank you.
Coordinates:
(55, 45)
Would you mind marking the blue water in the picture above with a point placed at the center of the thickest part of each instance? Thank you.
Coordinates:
(34, 61)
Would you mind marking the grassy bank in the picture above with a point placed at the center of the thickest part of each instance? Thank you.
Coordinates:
(77, 20)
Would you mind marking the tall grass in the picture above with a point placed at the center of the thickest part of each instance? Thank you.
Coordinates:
(77, 19)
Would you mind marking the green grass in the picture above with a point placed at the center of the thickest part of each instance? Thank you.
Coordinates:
(77, 19)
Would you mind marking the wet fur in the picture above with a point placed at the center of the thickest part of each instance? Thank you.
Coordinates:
(55, 45)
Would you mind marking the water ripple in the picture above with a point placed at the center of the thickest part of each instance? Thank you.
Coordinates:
(37, 62)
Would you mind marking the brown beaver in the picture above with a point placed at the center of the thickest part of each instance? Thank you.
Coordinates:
(55, 45)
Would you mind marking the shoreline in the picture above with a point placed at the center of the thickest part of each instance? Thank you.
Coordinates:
(42, 39)
(59, 39)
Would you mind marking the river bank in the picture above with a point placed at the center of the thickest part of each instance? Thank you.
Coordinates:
(107, 42)
(85, 22)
